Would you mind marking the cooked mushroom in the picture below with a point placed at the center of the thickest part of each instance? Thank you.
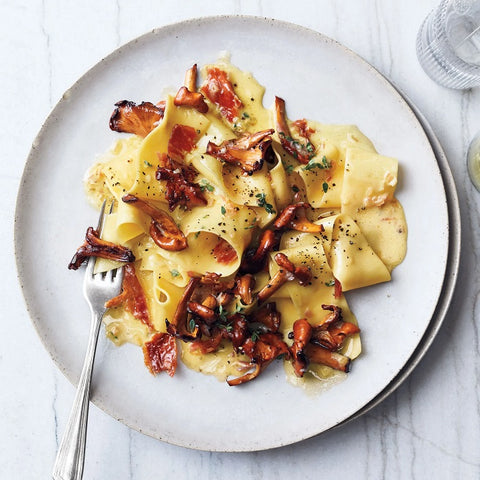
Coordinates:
(187, 98)
(287, 272)
(210, 301)
(213, 283)
(208, 345)
(333, 331)
(334, 316)
(262, 352)
(163, 229)
(335, 360)
(247, 377)
(180, 188)
(268, 316)
(139, 119)
(94, 246)
(280, 278)
(207, 314)
(302, 331)
(300, 151)
(244, 287)
(254, 258)
(247, 152)
(178, 325)
(191, 78)
(239, 331)
(302, 274)
(293, 217)
(132, 297)
(224, 298)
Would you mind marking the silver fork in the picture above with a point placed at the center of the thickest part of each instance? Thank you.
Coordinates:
(97, 289)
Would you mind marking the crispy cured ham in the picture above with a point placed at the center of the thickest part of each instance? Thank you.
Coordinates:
(94, 246)
(223, 252)
(219, 90)
(132, 297)
(160, 354)
(182, 141)
(141, 119)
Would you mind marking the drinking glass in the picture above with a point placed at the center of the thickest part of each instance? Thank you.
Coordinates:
(448, 44)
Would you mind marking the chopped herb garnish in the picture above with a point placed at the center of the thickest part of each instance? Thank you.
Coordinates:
(222, 313)
(325, 187)
(245, 115)
(239, 309)
(223, 210)
(252, 225)
(255, 336)
(261, 201)
(191, 325)
(204, 185)
(295, 189)
(331, 283)
(323, 165)
(148, 164)
(174, 273)
(228, 327)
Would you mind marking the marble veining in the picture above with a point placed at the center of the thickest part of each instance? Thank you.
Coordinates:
(428, 428)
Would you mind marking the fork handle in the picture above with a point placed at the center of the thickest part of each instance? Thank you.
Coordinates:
(71, 454)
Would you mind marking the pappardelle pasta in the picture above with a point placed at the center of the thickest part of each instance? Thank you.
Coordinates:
(240, 231)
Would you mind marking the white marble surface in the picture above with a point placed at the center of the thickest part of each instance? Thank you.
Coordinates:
(429, 428)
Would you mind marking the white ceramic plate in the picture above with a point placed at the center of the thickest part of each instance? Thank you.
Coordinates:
(319, 79)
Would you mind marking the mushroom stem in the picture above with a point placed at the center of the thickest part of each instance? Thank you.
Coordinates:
(163, 229)
(301, 152)
(335, 360)
(178, 325)
(302, 331)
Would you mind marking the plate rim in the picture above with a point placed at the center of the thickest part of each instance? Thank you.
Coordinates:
(183, 24)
